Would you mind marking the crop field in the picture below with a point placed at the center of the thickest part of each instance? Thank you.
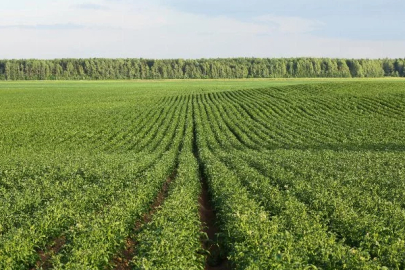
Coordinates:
(194, 174)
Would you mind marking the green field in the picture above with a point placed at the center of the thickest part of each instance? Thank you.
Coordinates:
(194, 174)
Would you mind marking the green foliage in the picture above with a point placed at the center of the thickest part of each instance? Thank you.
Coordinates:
(302, 174)
(175, 228)
(227, 68)
(309, 155)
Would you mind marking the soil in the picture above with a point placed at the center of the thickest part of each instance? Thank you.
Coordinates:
(45, 256)
(122, 262)
(215, 259)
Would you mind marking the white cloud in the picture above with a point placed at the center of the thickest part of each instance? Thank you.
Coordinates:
(290, 25)
(134, 29)
(91, 6)
(68, 26)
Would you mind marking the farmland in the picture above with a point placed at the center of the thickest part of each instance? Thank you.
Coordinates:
(194, 174)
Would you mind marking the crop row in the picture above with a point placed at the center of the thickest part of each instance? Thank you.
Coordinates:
(299, 177)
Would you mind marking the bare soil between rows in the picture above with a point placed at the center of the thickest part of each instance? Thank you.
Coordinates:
(215, 259)
(123, 260)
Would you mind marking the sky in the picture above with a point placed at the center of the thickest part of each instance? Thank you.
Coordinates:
(49, 29)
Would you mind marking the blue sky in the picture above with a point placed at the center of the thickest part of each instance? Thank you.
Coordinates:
(202, 28)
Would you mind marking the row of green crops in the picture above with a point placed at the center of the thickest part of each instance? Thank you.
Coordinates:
(262, 238)
(326, 165)
(303, 176)
(172, 239)
(93, 210)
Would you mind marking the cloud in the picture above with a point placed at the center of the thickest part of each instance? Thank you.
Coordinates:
(91, 6)
(134, 29)
(67, 26)
(290, 25)
(164, 43)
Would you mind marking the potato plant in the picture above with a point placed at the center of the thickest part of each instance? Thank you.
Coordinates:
(300, 174)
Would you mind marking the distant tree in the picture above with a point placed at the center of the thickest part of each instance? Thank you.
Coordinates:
(9, 71)
(356, 68)
(343, 68)
(102, 69)
(389, 68)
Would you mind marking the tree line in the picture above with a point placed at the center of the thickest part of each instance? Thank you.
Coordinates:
(226, 68)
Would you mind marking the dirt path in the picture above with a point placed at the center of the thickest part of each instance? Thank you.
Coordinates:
(216, 258)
